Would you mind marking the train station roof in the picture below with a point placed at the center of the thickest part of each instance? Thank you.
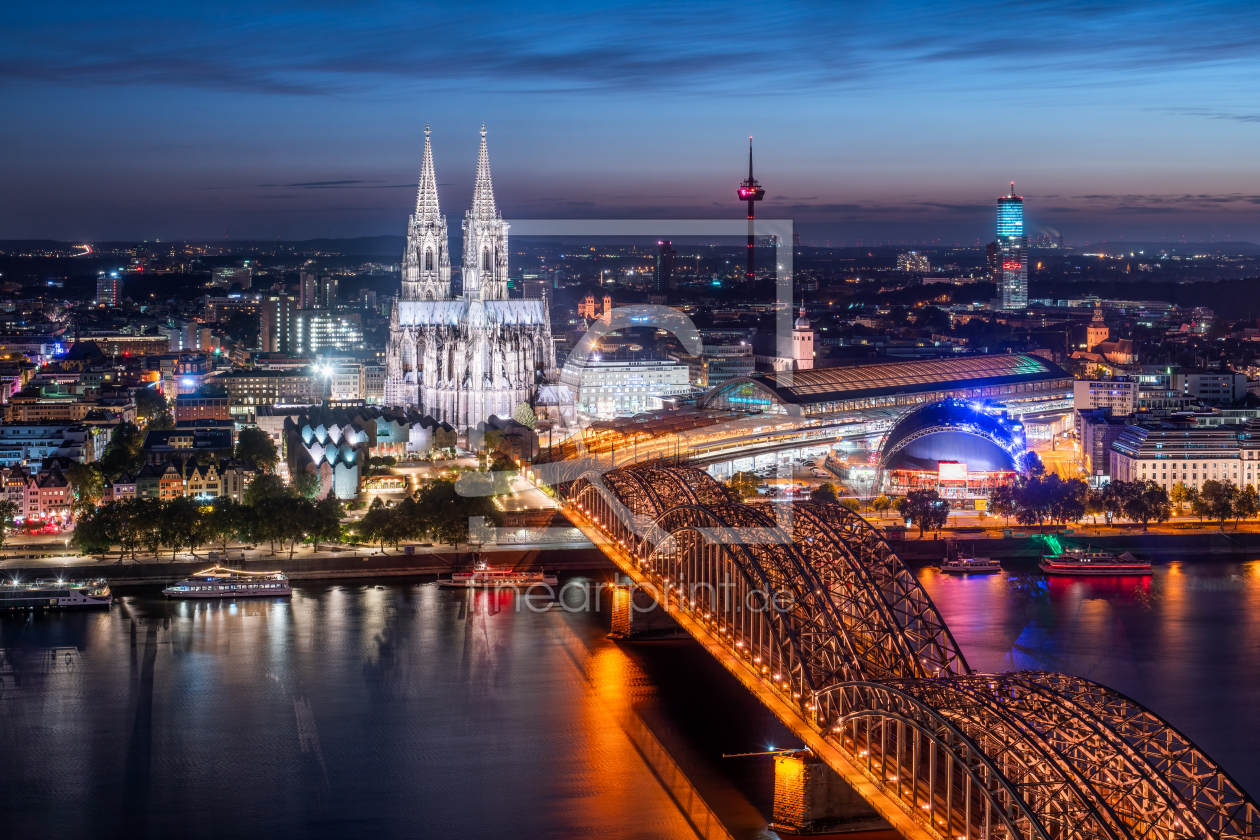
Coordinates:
(887, 378)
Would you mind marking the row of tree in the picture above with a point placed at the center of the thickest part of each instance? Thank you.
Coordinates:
(436, 512)
(272, 513)
(1038, 498)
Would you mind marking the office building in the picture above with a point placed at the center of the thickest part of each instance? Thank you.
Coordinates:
(306, 291)
(666, 259)
(319, 330)
(1211, 386)
(1096, 430)
(1119, 395)
(1012, 252)
(276, 324)
(624, 383)
(1185, 453)
(108, 289)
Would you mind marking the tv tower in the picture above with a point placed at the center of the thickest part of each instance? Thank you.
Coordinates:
(750, 191)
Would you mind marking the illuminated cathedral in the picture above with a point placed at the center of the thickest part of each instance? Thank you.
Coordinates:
(460, 359)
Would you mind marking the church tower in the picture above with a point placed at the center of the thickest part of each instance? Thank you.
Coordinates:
(485, 238)
(1098, 331)
(802, 343)
(426, 268)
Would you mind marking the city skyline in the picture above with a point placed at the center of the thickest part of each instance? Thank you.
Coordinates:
(870, 123)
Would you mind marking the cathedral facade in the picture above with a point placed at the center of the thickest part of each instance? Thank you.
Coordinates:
(460, 359)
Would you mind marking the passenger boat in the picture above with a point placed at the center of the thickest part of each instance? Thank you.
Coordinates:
(484, 577)
(219, 582)
(54, 595)
(956, 564)
(969, 565)
(1078, 561)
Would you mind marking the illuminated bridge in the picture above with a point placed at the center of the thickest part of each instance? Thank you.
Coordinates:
(827, 627)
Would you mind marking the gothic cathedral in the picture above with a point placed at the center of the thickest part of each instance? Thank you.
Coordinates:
(462, 359)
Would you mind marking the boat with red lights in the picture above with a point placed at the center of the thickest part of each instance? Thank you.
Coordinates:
(484, 577)
(1079, 561)
(221, 582)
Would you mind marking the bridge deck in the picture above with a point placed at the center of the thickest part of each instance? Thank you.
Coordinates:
(886, 805)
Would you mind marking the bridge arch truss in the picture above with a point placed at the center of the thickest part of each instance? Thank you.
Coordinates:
(828, 616)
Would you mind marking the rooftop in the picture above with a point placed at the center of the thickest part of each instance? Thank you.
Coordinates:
(873, 380)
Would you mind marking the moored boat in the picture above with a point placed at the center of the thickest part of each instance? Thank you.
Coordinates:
(220, 582)
(54, 595)
(484, 577)
(1078, 561)
(970, 565)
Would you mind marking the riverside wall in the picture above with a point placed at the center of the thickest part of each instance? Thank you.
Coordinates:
(1158, 548)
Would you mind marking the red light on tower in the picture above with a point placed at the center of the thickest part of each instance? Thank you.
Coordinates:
(750, 191)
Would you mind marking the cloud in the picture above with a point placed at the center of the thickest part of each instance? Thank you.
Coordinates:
(335, 49)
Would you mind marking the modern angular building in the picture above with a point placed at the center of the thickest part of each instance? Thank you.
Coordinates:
(1012, 252)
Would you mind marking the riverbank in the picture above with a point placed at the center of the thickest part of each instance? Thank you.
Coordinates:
(321, 567)
(1150, 546)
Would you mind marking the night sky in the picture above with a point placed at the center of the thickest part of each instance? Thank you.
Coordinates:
(874, 121)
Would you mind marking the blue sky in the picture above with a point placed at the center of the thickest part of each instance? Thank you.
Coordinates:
(893, 121)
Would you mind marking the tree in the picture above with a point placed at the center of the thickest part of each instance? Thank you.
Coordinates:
(375, 523)
(1002, 501)
(744, 485)
(851, 503)
(93, 533)
(1180, 496)
(180, 525)
(881, 505)
(224, 521)
(89, 488)
(257, 446)
(1217, 500)
(160, 422)
(306, 484)
(8, 512)
(149, 403)
(1146, 501)
(1095, 504)
(264, 487)
(124, 452)
(326, 525)
(525, 416)
(924, 508)
(825, 492)
(1247, 504)
(1032, 464)
(1114, 495)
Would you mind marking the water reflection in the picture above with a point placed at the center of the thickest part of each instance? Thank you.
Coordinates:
(1183, 641)
(351, 709)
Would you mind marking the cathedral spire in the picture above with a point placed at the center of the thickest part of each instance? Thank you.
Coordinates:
(483, 194)
(426, 196)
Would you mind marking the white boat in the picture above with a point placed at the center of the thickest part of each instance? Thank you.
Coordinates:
(970, 565)
(54, 595)
(219, 582)
(1076, 561)
(484, 577)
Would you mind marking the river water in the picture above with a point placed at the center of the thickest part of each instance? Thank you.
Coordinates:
(397, 709)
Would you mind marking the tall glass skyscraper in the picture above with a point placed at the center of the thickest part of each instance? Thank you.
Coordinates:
(1012, 251)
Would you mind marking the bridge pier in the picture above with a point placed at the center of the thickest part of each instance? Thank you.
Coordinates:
(636, 613)
(811, 798)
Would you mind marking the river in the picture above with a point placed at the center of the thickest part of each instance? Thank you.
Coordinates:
(398, 709)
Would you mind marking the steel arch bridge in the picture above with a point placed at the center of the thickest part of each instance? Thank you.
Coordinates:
(828, 620)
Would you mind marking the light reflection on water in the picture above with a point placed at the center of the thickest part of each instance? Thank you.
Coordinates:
(409, 710)
(352, 710)
(1184, 642)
